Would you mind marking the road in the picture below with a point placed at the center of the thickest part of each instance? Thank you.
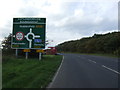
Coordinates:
(86, 71)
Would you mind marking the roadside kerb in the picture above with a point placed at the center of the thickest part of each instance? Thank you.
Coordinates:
(49, 86)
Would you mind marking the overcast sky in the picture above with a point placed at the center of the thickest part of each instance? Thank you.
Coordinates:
(66, 20)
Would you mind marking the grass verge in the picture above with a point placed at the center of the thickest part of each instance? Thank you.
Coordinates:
(31, 73)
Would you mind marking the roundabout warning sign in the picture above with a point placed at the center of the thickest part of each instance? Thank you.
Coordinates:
(28, 33)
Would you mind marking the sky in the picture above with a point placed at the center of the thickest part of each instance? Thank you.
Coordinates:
(66, 19)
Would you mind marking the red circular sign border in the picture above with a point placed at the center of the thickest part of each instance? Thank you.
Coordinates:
(22, 38)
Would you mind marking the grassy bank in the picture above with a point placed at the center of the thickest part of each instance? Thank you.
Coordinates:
(31, 73)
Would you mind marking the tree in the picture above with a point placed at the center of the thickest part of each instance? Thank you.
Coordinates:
(98, 43)
(6, 43)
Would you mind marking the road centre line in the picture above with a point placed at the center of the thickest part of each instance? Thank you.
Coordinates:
(91, 61)
(106, 67)
(110, 69)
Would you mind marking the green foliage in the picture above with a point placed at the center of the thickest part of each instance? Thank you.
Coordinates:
(31, 73)
(98, 43)
(117, 52)
(6, 43)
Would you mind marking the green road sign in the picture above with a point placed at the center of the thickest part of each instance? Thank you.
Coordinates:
(28, 33)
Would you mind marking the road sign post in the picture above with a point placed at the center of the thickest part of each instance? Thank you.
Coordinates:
(16, 53)
(26, 55)
(39, 55)
(26, 52)
(28, 33)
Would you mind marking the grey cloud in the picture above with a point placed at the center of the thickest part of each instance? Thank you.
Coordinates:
(86, 25)
(6, 32)
(29, 11)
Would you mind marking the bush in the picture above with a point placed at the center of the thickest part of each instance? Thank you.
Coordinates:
(117, 52)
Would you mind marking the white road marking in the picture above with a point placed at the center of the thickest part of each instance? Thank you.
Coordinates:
(110, 69)
(49, 86)
(58, 69)
(91, 61)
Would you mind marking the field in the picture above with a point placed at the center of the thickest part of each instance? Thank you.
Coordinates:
(31, 73)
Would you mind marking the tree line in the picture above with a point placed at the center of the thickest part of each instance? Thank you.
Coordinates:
(108, 43)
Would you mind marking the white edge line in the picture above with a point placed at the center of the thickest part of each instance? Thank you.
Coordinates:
(49, 86)
(110, 69)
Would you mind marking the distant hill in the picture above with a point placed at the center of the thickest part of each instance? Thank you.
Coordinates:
(98, 43)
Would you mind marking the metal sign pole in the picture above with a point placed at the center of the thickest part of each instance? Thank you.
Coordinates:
(39, 55)
(16, 53)
(26, 55)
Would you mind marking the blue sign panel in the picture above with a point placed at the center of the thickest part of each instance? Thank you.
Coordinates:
(37, 40)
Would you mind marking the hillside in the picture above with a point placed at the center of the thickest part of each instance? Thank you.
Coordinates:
(108, 43)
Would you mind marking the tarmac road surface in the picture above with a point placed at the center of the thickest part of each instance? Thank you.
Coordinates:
(87, 71)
